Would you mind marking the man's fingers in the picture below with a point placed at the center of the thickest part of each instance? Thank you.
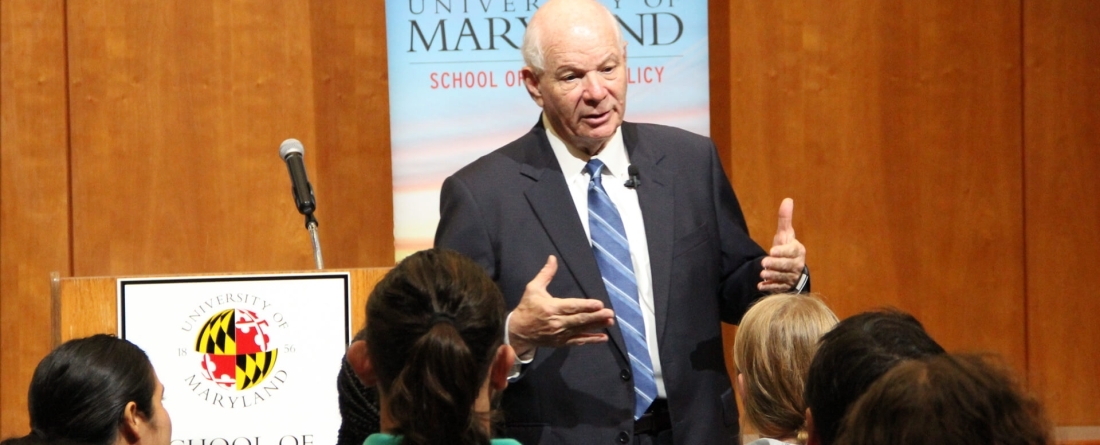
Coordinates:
(587, 338)
(570, 306)
(779, 277)
(771, 287)
(568, 326)
(790, 250)
(785, 232)
(793, 265)
(542, 279)
(590, 320)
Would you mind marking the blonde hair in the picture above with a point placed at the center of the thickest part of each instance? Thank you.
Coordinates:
(775, 344)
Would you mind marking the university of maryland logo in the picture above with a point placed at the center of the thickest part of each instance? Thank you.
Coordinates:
(236, 349)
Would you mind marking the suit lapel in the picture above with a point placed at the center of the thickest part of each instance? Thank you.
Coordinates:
(655, 198)
(552, 204)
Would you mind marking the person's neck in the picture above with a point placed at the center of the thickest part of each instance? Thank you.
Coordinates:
(587, 153)
(386, 423)
(483, 405)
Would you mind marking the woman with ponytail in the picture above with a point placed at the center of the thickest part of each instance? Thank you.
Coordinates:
(99, 390)
(434, 348)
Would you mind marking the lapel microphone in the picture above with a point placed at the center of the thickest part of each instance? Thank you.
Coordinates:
(632, 182)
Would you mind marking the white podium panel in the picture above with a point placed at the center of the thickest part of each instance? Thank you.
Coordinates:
(245, 359)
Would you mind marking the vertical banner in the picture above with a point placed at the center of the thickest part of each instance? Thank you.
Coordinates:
(245, 360)
(456, 93)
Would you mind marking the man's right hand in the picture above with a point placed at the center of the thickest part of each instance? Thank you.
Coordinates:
(541, 320)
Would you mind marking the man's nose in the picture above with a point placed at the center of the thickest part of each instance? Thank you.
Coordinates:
(594, 87)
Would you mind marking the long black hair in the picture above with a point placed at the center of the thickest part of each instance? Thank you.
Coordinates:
(80, 390)
(434, 324)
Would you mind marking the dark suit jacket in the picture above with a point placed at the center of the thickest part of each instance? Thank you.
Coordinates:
(510, 209)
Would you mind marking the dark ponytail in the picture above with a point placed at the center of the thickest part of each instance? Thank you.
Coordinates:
(434, 324)
(80, 390)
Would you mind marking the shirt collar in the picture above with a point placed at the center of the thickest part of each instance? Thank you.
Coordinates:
(573, 161)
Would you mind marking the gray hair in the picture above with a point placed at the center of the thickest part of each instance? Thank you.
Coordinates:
(532, 51)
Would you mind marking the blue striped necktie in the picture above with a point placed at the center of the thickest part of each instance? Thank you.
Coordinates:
(613, 257)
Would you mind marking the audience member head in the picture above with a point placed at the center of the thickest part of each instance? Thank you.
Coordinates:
(775, 343)
(859, 350)
(946, 400)
(99, 390)
(434, 347)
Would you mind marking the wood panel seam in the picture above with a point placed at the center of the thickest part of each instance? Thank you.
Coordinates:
(68, 140)
(1023, 193)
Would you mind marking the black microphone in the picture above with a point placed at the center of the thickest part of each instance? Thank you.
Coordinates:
(633, 181)
(292, 151)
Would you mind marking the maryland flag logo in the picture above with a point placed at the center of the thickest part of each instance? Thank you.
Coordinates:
(236, 349)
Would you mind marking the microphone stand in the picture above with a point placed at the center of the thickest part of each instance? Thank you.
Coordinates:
(292, 151)
(311, 225)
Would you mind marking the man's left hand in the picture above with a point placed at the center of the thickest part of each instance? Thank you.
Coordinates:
(787, 257)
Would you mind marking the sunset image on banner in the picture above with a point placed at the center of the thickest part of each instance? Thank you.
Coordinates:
(456, 93)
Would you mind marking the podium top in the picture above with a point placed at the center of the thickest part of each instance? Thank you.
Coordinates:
(84, 306)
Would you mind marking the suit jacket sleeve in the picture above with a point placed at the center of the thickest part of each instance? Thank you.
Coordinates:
(741, 256)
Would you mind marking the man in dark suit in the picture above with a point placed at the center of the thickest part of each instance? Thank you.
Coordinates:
(617, 277)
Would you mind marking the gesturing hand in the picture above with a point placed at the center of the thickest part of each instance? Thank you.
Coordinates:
(542, 320)
(784, 263)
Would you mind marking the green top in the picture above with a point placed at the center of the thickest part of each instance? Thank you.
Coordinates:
(389, 439)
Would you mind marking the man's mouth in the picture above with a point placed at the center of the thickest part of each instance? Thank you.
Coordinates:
(596, 119)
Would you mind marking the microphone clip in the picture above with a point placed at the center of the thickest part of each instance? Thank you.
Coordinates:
(632, 182)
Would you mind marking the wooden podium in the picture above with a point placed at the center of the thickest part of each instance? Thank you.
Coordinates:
(236, 370)
(89, 305)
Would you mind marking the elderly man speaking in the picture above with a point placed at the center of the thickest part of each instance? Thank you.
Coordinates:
(619, 247)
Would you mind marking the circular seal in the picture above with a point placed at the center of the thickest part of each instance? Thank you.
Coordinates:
(236, 349)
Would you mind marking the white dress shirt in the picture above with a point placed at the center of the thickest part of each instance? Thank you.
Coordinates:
(614, 173)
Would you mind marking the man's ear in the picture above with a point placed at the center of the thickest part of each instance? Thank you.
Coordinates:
(128, 429)
(531, 81)
(359, 358)
(501, 367)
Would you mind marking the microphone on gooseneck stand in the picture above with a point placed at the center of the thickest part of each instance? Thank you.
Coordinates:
(632, 182)
(292, 152)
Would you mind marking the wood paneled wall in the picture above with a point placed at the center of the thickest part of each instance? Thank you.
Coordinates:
(896, 128)
(944, 159)
(351, 103)
(177, 114)
(176, 110)
(1062, 204)
(942, 156)
(34, 191)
